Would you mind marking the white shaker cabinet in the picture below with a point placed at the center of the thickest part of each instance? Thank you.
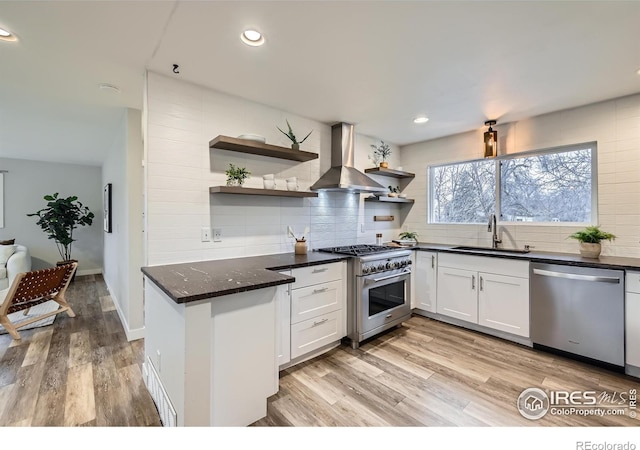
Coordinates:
(283, 323)
(425, 281)
(457, 295)
(491, 292)
(632, 323)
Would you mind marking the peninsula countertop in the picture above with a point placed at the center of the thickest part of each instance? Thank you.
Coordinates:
(188, 282)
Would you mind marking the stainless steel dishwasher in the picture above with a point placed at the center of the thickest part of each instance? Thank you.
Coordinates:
(579, 310)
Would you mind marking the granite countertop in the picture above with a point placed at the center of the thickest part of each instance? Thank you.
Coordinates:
(603, 262)
(188, 282)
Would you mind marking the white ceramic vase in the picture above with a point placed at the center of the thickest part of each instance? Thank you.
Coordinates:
(590, 250)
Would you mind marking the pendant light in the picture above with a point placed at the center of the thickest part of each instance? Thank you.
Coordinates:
(490, 141)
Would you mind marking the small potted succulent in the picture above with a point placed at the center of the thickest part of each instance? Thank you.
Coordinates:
(590, 238)
(295, 144)
(394, 191)
(409, 236)
(236, 176)
(380, 154)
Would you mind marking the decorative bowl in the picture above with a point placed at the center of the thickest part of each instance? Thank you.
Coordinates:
(253, 137)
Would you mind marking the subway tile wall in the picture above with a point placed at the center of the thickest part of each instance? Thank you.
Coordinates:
(181, 119)
(613, 124)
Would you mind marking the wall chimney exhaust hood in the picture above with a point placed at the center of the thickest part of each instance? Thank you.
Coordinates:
(342, 176)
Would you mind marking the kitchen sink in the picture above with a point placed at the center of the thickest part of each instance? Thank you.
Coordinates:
(491, 250)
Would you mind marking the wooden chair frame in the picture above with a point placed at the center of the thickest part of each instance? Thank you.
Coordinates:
(32, 288)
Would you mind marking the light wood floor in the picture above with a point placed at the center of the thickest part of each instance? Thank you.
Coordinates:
(83, 371)
(79, 371)
(427, 373)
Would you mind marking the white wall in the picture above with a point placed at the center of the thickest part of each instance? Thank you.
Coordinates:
(182, 119)
(614, 124)
(123, 253)
(25, 185)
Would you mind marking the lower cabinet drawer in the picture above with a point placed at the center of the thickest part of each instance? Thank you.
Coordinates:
(308, 276)
(312, 334)
(312, 301)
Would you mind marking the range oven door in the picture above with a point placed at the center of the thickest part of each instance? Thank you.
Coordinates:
(383, 301)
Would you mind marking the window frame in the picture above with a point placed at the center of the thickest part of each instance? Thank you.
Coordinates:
(592, 145)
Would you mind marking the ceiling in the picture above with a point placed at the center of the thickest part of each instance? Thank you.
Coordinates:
(376, 64)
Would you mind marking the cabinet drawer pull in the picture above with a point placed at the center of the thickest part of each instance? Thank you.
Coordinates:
(319, 291)
(473, 282)
(481, 284)
(433, 261)
(388, 316)
(324, 269)
(319, 322)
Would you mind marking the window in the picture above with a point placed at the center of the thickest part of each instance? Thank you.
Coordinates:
(556, 185)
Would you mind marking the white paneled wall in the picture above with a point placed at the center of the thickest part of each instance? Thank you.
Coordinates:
(181, 120)
(613, 124)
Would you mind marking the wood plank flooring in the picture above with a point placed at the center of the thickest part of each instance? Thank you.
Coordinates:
(427, 373)
(79, 371)
(83, 372)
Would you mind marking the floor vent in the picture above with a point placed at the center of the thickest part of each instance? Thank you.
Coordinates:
(159, 396)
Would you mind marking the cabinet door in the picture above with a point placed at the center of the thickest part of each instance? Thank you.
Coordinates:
(632, 329)
(503, 303)
(283, 323)
(457, 295)
(425, 281)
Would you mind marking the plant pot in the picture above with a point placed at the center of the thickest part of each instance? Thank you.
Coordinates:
(384, 165)
(589, 250)
(295, 146)
(392, 194)
(70, 261)
(300, 247)
(236, 183)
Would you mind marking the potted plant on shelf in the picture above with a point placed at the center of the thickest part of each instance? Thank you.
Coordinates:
(295, 144)
(590, 238)
(60, 217)
(394, 191)
(381, 152)
(236, 176)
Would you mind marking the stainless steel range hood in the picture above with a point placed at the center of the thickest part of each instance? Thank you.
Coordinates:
(342, 176)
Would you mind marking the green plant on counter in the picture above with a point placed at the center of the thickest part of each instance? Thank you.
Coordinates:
(294, 141)
(394, 190)
(236, 175)
(409, 235)
(592, 235)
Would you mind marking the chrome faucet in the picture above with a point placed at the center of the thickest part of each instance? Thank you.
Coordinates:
(494, 227)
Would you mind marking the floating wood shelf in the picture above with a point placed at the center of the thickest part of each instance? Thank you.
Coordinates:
(253, 191)
(390, 172)
(258, 148)
(389, 199)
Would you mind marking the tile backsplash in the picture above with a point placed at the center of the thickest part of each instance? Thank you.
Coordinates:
(181, 120)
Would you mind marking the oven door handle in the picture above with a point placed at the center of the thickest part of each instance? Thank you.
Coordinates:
(376, 280)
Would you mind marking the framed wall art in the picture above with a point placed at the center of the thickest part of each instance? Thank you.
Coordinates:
(106, 206)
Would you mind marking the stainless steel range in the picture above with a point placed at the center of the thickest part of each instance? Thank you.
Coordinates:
(379, 288)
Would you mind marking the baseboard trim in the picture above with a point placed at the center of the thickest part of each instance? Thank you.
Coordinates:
(132, 334)
(82, 273)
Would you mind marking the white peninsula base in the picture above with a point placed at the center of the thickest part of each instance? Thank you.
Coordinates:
(215, 358)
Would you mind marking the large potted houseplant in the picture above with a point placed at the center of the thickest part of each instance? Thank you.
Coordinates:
(590, 238)
(58, 220)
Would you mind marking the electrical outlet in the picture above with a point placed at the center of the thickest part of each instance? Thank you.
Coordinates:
(205, 235)
(217, 235)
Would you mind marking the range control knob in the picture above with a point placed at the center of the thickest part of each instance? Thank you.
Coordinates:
(389, 265)
(403, 263)
(409, 262)
(381, 267)
(396, 264)
(366, 270)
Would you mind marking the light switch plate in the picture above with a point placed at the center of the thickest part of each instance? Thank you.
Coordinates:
(205, 234)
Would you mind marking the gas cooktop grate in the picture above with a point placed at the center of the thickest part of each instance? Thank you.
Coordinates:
(359, 250)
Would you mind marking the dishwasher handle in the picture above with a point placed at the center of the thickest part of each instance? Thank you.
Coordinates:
(575, 276)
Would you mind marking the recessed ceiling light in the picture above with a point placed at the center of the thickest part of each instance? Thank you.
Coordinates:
(421, 119)
(252, 37)
(6, 35)
(109, 88)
